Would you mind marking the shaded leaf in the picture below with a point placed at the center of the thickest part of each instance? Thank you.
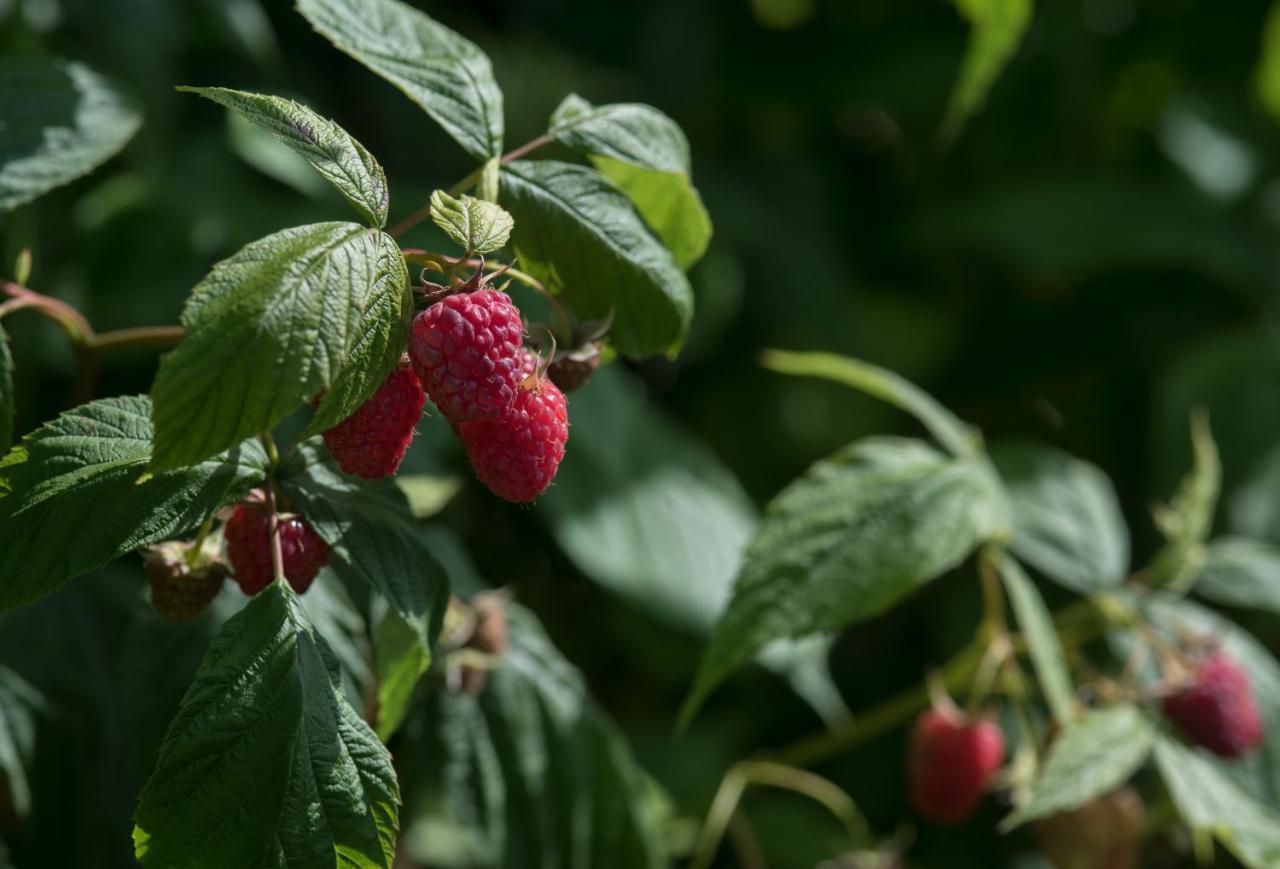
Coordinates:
(475, 225)
(444, 73)
(75, 501)
(1091, 757)
(646, 155)
(1209, 800)
(535, 772)
(1241, 572)
(323, 307)
(20, 704)
(266, 764)
(333, 152)
(649, 512)
(61, 121)
(575, 231)
(1067, 522)
(1036, 626)
(846, 541)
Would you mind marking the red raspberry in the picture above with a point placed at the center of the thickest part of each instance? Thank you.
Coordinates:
(517, 454)
(467, 351)
(248, 535)
(372, 441)
(949, 763)
(180, 589)
(1217, 709)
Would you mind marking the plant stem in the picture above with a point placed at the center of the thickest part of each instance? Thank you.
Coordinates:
(273, 517)
(886, 716)
(773, 774)
(466, 184)
(71, 320)
(138, 338)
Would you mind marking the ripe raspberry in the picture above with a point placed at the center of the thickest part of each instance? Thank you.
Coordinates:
(467, 349)
(1105, 833)
(949, 763)
(372, 441)
(182, 589)
(248, 536)
(517, 454)
(1217, 709)
(528, 364)
(573, 371)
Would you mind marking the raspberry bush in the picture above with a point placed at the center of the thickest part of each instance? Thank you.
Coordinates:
(298, 602)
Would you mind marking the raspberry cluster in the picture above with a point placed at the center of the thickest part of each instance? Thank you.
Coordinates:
(950, 762)
(248, 536)
(468, 351)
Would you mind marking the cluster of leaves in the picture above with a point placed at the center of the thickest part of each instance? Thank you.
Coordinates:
(870, 524)
(268, 761)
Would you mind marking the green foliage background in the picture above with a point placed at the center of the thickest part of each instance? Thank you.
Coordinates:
(1090, 257)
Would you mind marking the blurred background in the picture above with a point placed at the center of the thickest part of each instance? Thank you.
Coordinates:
(1093, 255)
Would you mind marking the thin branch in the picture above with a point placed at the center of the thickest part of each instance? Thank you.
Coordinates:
(273, 517)
(466, 184)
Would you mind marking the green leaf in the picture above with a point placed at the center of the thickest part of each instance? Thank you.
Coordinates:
(669, 537)
(20, 704)
(1255, 503)
(444, 73)
(333, 152)
(1241, 572)
(334, 615)
(575, 231)
(846, 541)
(997, 28)
(1091, 757)
(401, 659)
(376, 541)
(1267, 75)
(1067, 522)
(323, 307)
(266, 764)
(536, 773)
(75, 501)
(6, 394)
(646, 155)
(945, 427)
(1210, 801)
(475, 225)
(61, 121)
(1036, 627)
(1187, 520)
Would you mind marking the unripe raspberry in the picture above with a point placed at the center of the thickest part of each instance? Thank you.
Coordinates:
(248, 536)
(182, 588)
(371, 442)
(516, 455)
(466, 349)
(950, 761)
(1217, 709)
(573, 371)
(489, 635)
(1105, 833)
